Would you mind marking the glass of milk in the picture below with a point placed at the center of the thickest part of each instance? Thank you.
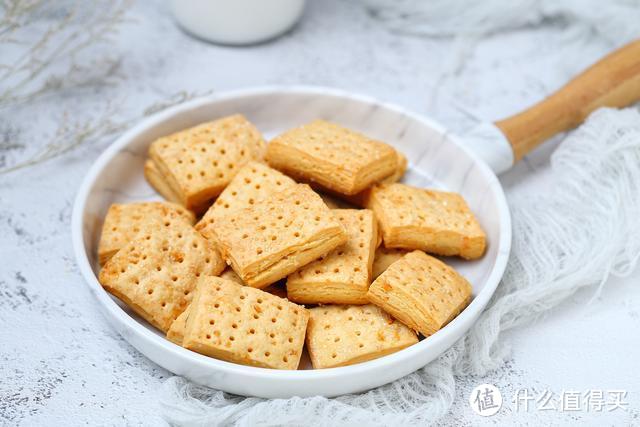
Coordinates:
(237, 22)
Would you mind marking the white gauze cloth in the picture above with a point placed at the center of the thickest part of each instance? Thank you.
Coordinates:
(574, 235)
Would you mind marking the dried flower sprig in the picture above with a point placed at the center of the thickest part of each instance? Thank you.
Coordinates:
(64, 31)
(72, 134)
(54, 48)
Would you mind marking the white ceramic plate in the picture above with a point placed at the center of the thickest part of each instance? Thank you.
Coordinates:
(436, 161)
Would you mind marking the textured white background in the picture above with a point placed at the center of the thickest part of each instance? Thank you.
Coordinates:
(60, 362)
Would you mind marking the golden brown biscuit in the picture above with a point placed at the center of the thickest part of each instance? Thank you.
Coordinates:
(343, 275)
(341, 335)
(197, 163)
(124, 220)
(253, 182)
(421, 291)
(336, 158)
(433, 221)
(274, 238)
(156, 272)
(175, 333)
(244, 325)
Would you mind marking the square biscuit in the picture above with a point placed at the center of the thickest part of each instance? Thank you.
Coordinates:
(421, 291)
(198, 163)
(272, 239)
(433, 221)
(384, 257)
(124, 221)
(253, 182)
(341, 335)
(245, 325)
(333, 157)
(343, 275)
(158, 182)
(155, 273)
(175, 333)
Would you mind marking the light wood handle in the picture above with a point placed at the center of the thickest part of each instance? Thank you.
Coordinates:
(614, 81)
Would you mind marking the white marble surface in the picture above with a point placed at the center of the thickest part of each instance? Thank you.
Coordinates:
(60, 362)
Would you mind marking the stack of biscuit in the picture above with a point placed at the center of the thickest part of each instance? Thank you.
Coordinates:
(310, 240)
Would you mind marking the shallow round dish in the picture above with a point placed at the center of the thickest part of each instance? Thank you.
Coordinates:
(436, 160)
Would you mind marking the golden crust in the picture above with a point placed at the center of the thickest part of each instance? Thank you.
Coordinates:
(271, 240)
(341, 335)
(124, 220)
(158, 182)
(342, 276)
(245, 325)
(433, 221)
(421, 291)
(198, 163)
(333, 157)
(254, 182)
(155, 273)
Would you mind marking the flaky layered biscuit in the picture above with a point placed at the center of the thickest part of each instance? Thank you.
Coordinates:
(274, 238)
(433, 221)
(175, 334)
(335, 202)
(244, 325)
(421, 291)
(278, 289)
(343, 275)
(124, 221)
(341, 335)
(156, 272)
(197, 163)
(253, 182)
(333, 157)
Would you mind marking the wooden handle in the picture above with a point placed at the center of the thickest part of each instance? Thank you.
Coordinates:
(614, 81)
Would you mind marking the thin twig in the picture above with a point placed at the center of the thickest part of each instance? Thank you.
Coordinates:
(70, 136)
(59, 42)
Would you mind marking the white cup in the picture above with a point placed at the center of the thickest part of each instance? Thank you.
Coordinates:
(237, 21)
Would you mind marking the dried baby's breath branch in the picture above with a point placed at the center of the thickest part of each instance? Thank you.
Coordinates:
(64, 32)
(53, 47)
(71, 135)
